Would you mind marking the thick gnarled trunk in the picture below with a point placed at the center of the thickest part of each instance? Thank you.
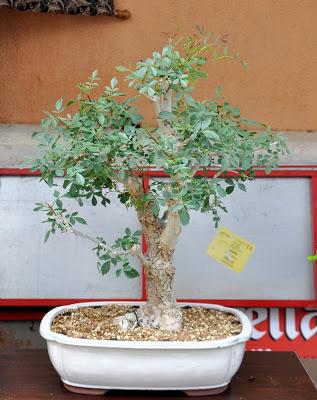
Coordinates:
(161, 310)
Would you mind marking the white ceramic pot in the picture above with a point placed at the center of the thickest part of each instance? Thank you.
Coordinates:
(95, 366)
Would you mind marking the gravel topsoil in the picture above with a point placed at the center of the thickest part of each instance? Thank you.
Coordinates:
(96, 322)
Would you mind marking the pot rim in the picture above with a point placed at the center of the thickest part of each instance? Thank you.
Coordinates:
(46, 333)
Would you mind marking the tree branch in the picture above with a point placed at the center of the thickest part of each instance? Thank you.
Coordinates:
(171, 231)
(172, 227)
(157, 107)
(135, 250)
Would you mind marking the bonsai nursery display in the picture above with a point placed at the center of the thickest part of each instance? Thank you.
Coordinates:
(99, 145)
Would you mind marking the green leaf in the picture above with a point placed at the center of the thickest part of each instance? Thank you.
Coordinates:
(50, 181)
(241, 186)
(121, 175)
(205, 124)
(131, 273)
(189, 100)
(120, 68)
(236, 112)
(268, 169)
(56, 193)
(59, 104)
(225, 164)
(166, 194)
(205, 160)
(105, 268)
(312, 258)
(118, 272)
(167, 115)
(128, 231)
(80, 179)
(211, 134)
(184, 216)
(101, 119)
(229, 189)
(155, 207)
(70, 102)
(137, 233)
(151, 92)
(176, 207)
(59, 172)
(245, 64)
(136, 118)
(229, 181)
(93, 201)
(221, 191)
(219, 92)
(124, 197)
(202, 74)
(94, 74)
(149, 196)
(47, 235)
(59, 203)
(114, 83)
(81, 220)
(165, 51)
(140, 73)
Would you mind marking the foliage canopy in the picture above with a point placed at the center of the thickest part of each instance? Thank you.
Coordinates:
(104, 141)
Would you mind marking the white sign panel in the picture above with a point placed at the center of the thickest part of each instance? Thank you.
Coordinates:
(65, 266)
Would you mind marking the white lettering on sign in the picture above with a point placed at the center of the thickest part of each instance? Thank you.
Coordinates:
(305, 328)
(290, 324)
(261, 315)
(258, 315)
(274, 324)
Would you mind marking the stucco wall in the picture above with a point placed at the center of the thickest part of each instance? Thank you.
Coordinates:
(44, 56)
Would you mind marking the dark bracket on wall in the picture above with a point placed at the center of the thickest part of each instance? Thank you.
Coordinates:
(71, 7)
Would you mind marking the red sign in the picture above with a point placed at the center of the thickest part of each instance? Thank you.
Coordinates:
(283, 329)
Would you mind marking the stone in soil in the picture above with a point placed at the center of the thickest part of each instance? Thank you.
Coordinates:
(199, 324)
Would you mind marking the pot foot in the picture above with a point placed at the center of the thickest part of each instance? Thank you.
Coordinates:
(206, 392)
(82, 390)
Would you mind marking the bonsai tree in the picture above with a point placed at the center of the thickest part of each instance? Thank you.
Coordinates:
(101, 145)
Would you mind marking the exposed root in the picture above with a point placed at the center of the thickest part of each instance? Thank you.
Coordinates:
(152, 316)
(127, 321)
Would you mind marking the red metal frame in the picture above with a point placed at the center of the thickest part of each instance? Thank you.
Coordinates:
(20, 308)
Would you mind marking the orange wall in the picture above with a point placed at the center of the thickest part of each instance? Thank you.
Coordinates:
(42, 57)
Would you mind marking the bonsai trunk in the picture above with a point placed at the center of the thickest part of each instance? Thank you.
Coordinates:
(161, 310)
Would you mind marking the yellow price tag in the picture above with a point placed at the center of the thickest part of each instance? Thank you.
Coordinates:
(230, 249)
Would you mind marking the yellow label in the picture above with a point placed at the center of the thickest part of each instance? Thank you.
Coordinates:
(230, 249)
